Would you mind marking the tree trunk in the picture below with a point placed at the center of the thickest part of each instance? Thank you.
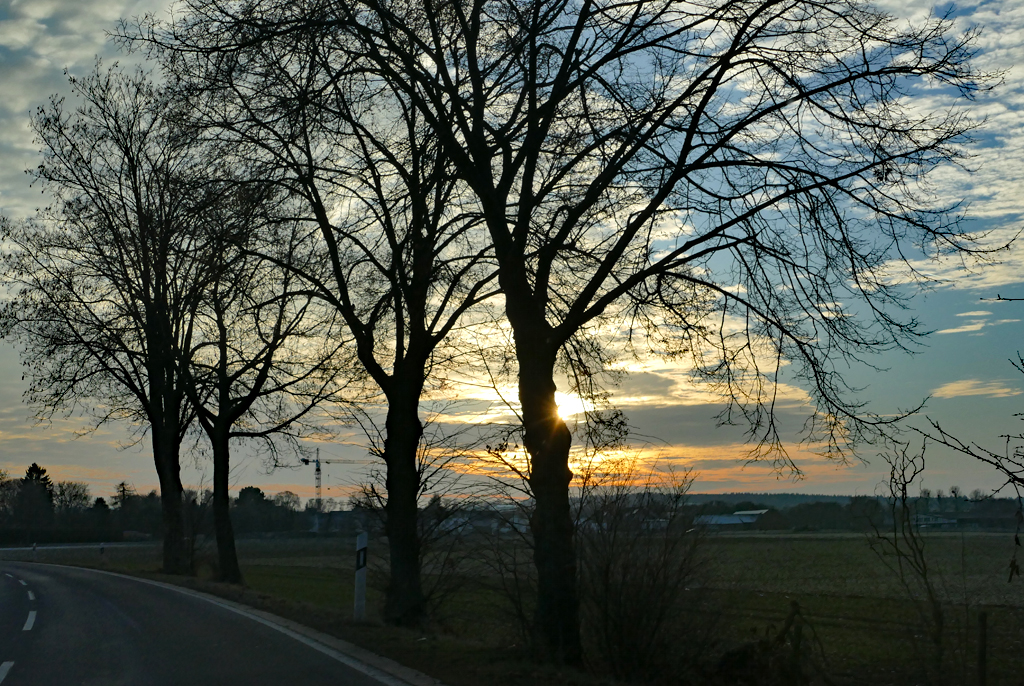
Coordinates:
(165, 456)
(404, 603)
(164, 414)
(548, 440)
(227, 556)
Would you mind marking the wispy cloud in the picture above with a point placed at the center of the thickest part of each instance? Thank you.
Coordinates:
(973, 326)
(977, 324)
(968, 387)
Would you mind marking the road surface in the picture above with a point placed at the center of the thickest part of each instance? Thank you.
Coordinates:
(62, 626)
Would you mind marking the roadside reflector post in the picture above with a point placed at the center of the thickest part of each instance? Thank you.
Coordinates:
(360, 597)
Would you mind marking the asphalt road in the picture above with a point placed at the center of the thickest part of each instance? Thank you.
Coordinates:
(61, 626)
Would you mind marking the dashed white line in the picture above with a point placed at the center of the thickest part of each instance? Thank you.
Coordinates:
(22, 582)
(4, 668)
(30, 622)
(31, 595)
(8, 574)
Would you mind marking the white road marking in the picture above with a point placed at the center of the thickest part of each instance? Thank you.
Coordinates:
(30, 622)
(4, 668)
(8, 574)
(22, 582)
(31, 595)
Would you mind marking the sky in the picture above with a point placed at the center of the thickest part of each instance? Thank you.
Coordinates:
(963, 371)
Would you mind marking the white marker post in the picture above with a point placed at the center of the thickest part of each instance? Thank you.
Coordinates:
(360, 599)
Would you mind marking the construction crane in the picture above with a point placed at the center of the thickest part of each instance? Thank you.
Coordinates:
(316, 461)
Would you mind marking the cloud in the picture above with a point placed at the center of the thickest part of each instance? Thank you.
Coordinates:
(720, 468)
(977, 324)
(990, 186)
(39, 39)
(967, 387)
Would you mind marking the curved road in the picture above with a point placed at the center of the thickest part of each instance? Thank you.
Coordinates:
(64, 625)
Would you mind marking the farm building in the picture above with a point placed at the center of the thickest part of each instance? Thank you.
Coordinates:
(742, 519)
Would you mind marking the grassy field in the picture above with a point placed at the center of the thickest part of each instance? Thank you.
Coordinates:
(861, 625)
(871, 628)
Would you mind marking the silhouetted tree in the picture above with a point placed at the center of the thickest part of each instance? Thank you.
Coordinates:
(252, 510)
(102, 280)
(722, 181)
(37, 475)
(251, 496)
(33, 506)
(287, 500)
(8, 492)
(71, 496)
(902, 548)
(123, 493)
(263, 351)
(402, 255)
(99, 515)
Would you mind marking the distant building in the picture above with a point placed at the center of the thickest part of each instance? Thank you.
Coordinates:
(742, 519)
(929, 521)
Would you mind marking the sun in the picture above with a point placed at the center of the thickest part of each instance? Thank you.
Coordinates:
(570, 405)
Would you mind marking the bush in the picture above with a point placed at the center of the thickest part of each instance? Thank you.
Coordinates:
(640, 570)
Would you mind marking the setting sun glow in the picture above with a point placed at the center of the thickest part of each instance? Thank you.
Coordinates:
(570, 405)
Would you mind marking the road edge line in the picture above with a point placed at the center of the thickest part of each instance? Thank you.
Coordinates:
(368, 663)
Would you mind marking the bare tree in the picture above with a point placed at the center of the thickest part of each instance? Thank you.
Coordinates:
(102, 280)
(727, 181)
(69, 496)
(402, 260)
(901, 548)
(287, 500)
(730, 182)
(262, 356)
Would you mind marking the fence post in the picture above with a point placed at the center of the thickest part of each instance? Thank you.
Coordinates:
(359, 613)
(982, 648)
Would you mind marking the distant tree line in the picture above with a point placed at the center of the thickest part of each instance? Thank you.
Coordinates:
(37, 510)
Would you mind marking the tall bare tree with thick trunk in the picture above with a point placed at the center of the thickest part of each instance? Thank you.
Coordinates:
(101, 282)
(404, 257)
(731, 181)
